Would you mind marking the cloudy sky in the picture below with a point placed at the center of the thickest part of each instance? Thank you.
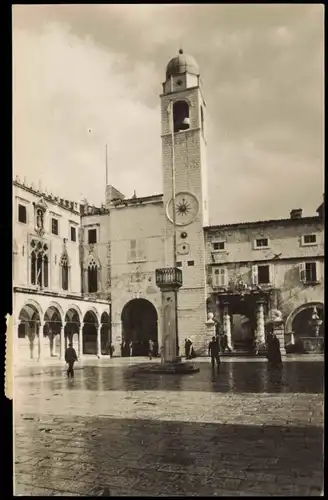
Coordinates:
(87, 75)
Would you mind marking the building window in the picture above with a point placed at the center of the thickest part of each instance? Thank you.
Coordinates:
(54, 226)
(137, 251)
(179, 264)
(220, 277)
(73, 233)
(190, 263)
(92, 276)
(219, 245)
(92, 236)
(261, 243)
(261, 274)
(64, 271)
(22, 214)
(308, 272)
(309, 239)
(39, 264)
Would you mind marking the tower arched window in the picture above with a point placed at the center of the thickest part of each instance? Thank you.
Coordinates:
(64, 271)
(39, 263)
(181, 118)
(92, 276)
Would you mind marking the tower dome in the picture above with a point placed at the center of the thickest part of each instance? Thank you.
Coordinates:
(182, 63)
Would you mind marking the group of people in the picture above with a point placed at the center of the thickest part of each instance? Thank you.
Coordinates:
(273, 352)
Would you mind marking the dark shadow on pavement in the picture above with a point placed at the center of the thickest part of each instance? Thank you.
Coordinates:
(151, 457)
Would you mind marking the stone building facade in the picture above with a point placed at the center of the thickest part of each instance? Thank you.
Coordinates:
(50, 256)
(256, 267)
(99, 283)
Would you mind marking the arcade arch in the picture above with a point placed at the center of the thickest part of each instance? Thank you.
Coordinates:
(105, 333)
(51, 329)
(139, 325)
(90, 327)
(29, 331)
(45, 335)
(72, 328)
(299, 320)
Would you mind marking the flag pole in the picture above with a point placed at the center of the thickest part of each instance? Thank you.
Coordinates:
(173, 190)
(174, 228)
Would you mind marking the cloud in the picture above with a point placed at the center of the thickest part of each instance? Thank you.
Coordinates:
(100, 67)
(69, 103)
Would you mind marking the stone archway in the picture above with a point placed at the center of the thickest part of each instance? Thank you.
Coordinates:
(72, 328)
(29, 331)
(139, 325)
(105, 333)
(298, 322)
(51, 330)
(90, 327)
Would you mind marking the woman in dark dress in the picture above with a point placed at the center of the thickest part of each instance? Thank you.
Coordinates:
(274, 354)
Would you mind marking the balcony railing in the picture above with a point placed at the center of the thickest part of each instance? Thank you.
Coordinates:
(169, 277)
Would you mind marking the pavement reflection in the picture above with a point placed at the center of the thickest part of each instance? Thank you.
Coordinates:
(251, 377)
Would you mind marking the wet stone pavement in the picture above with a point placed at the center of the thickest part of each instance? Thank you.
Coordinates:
(245, 431)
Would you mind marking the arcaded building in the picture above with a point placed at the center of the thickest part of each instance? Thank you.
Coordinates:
(93, 277)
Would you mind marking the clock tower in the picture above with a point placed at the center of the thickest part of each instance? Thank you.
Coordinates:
(185, 191)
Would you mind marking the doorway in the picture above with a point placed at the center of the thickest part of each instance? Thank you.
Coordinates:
(139, 325)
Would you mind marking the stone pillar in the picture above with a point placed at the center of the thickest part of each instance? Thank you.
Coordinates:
(169, 325)
(98, 340)
(260, 327)
(169, 280)
(80, 350)
(227, 324)
(210, 330)
(62, 342)
(41, 342)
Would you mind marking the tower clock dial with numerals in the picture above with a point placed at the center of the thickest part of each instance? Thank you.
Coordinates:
(186, 209)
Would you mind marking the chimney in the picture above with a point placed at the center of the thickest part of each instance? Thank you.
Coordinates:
(296, 213)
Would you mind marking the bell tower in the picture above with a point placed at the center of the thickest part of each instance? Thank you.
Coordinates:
(185, 190)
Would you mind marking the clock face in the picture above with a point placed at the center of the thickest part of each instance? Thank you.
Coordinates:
(186, 209)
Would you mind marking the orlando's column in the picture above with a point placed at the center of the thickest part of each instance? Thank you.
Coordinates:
(169, 280)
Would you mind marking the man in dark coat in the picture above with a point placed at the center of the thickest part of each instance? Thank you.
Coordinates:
(187, 348)
(70, 358)
(273, 352)
(214, 352)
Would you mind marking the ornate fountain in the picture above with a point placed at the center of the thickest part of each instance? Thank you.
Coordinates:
(315, 321)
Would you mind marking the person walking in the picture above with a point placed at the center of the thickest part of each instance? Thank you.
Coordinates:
(273, 351)
(225, 343)
(150, 349)
(70, 358)
(187, 348)
(214, 352)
